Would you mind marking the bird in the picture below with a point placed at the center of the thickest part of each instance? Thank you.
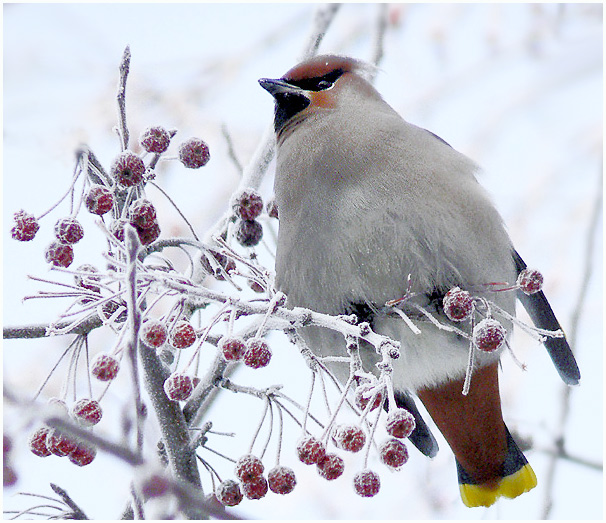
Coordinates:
(374, 209)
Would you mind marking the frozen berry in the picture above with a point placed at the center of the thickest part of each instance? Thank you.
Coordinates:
(272, 208)
(182, 335)
(149, 235)
(37, 442)
(257, 353)
(233, 349)
(68, 230)
(142, 213)
(155, 139)
(530, 281)
(26, 226)
(248, 204)
(249, 232)
(393, 453)
(400, 423)
(83, 454)
(86, 279)
(350, 438)
(99, 200)
(153, 333)
(9, 476)
(218, 259)
(256, 488)
(331, 466)
(116, 228)
(310, 450)
(489, 335)
(228, 493)
(128, 169)
(105, 367)
(365, 393)
(59, 254)
(367, 483)
(194, 153)
(458, 304)
(155, 486)
(178, 387)
(87, 411)
(248, 467)
(60, 444)
(281, 480)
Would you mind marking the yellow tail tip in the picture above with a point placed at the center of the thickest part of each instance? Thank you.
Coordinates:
(510, 486)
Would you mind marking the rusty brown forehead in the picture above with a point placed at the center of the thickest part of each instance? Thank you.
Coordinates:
(319, 66)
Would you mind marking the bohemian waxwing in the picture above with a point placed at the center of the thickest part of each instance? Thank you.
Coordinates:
(373, 209)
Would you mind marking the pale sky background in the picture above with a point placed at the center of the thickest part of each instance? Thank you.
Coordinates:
(516, 87)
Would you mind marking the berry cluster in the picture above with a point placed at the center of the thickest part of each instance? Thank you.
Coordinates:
(253, 485)
(46, 441)
(248, 206)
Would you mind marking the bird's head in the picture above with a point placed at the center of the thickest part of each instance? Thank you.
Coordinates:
(322, 83)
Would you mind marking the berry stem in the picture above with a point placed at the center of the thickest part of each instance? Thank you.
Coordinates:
(172, 202)
(123, 128)
(77, 172)
(309, 396)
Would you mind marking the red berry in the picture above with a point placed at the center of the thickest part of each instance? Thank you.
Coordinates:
(99, 200)
(393, 453)
(228, 493)
(149, 235)
(68, 230)
(458, 304)
(178, 387)
(153, 333)
(350, 438)
(9, 476)
(331, 466)
(182, 335)
(26, 226)
(59, 254)
(400, 423)
(249, 232)
(142, 213)
(310, 450)
(367, 483)
(218, 259)
(128, 169)
(87, 411)
(530, 281)
(489, 335)
(194, 153)
(37, 442)
(272, 208)
(365, 393)
(256, 488)
(105, 367)
(60, 444)
(155, 486)
(257, 353)
(248, 204)
(84, 280)
(281, 480)
(233, 349)
(83, 454)
(155, 139)
(248, 467)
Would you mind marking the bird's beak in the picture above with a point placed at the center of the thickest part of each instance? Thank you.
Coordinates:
(277, 86)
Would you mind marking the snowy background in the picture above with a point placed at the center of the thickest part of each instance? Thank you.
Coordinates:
(516, 87)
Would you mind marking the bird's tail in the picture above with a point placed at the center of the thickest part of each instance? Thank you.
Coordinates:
(518, 477)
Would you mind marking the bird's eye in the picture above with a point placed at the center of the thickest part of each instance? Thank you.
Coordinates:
(323, 84)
